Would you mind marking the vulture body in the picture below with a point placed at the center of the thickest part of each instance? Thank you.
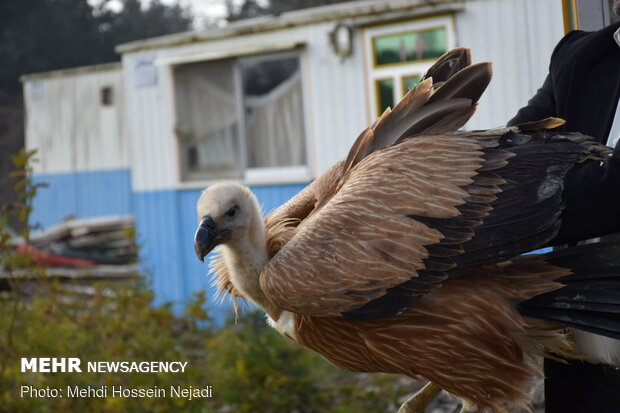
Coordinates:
(405, 256)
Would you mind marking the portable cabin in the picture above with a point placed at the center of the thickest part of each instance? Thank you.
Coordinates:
(271, 102)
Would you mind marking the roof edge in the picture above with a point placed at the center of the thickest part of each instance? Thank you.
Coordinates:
(348, 10)
(101, 67)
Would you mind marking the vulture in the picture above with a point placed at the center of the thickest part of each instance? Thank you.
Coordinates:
(407, 256)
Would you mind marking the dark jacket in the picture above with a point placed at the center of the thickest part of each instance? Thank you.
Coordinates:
(583, 87)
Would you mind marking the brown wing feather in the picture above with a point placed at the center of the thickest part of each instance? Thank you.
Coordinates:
(281, 224)
(362, 242)
(425, 109)
(411, 215)
(411, 115)
(447, 65)
(422, 340)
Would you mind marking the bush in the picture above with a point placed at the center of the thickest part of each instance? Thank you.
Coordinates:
(250, 367)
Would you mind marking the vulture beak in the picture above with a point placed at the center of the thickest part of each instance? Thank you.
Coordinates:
(206, 238)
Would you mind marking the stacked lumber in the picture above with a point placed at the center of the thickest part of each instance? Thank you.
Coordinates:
(105, 240)
(92, 248)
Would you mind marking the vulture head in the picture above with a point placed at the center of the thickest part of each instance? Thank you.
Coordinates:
(228, 213)
(229, 216)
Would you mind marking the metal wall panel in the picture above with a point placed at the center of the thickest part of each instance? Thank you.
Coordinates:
(333, 96)
(166, 222)
(518, 37)
(82, 195)
(70, 127)
(151, 128)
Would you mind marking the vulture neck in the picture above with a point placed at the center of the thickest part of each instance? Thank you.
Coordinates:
(245, 258)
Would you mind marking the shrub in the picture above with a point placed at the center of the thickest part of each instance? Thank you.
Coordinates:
(250, 367)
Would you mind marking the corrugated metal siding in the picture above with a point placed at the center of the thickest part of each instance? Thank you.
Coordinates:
(151, 129)
(166, 222)
(157, 224)
(71, 128)
(333, 92)
(82, 195)
(518, 36)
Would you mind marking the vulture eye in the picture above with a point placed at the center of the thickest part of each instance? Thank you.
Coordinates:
(232, 211)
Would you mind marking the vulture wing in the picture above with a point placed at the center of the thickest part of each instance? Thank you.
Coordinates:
(419, 111)
(414, 214)
(415, 203)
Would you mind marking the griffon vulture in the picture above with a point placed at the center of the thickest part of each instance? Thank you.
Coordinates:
(405, 257)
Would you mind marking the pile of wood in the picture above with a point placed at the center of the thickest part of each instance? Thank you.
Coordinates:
(93, 249)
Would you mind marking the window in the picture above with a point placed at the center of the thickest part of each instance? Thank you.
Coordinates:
(409, 46)
(241, 118)
(107, 96)
(273, 112)
(399, 54)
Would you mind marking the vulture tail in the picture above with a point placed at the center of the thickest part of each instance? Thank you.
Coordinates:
(428, 108)
(590, 298)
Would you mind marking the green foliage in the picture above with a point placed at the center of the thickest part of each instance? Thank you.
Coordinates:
(250, 367)
(259, 370)
(113, 325)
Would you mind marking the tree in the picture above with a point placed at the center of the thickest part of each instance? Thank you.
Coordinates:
(134, 23)
(42, 35)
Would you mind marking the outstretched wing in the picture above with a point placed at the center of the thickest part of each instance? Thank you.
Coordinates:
(413, 214)
(437, 105)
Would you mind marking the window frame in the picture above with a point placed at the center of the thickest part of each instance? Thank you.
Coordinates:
(185, 177)
(254, 176)
(398, 71)
(260, 176)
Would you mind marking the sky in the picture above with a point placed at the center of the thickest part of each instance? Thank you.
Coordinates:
(205, 12)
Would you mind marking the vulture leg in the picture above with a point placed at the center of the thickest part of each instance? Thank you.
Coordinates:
(418, 402)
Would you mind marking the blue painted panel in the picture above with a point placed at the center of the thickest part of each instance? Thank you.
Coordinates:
(157, 225)
(166, 222)
(82, 195)
(540, 251)
(271, 197)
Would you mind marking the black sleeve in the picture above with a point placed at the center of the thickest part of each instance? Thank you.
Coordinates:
(592, 199)
(592, 191)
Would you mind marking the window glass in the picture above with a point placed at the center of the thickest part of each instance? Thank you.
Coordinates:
(273, 109)
(207, 123)
(410, 46)
(107, 96)
(398, 54)
(239, 114)
(385, 93)
(410, 81)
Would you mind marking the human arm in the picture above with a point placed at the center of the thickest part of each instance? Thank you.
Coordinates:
(592, 192)
(592, 199)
